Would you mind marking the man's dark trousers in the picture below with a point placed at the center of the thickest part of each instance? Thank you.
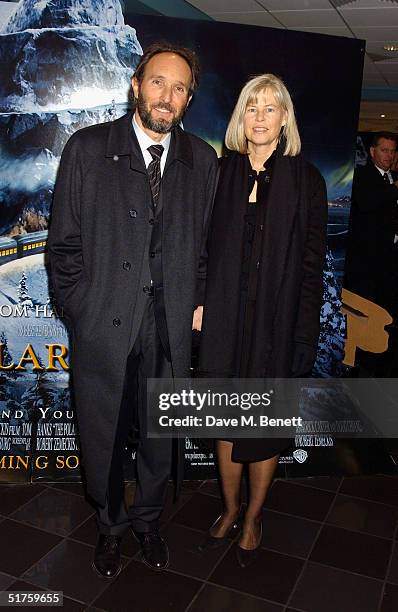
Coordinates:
(153, 459)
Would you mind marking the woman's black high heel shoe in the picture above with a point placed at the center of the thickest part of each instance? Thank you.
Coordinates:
(246, 557)
(211, 543)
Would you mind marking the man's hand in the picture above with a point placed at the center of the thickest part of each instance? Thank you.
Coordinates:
(197, 318)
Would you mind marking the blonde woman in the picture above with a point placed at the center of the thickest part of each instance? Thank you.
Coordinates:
(264, 287)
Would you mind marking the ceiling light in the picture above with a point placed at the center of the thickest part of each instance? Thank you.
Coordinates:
(382, 115)
(390, 47)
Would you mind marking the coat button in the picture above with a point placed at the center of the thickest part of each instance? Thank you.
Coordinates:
(126, 265)
(146, 289)
(116, 158)
(151, 221)
(116, 322)
(133, 213)
(152, 254)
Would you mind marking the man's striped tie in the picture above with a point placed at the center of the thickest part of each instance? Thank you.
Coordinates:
(154, 171)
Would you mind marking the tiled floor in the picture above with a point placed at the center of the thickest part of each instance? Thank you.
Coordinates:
(330, 545)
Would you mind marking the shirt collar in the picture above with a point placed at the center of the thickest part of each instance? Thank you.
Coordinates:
(383, 172)
(145, 141)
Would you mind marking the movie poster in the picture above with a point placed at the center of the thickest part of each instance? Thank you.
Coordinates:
(65, 68)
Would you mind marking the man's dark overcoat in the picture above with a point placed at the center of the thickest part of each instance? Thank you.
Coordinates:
(97, 239)
(370, 259)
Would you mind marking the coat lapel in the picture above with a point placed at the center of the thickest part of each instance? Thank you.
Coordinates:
(123, 141)
(180, 150)
(131, 183)
(281, 209)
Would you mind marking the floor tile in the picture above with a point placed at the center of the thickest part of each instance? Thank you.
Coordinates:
(54, 511)
(327, 589)
(172, 505)
(326, 483)
(393, 572)
(5, 580)
(383, 489)
(214, 598)
(298, 500)
(390, 599)
(199, 512)
(14, 496)
(69, 605)
(76, 488)
(288, 534)
(148, 591)
(21, 585)
(68, 568)
(364, 515)
(368, 505)
(211, 487)
(191, 485)
(24, 545)
(88, 534)
(351, 551)
(263, 578)
(184, 555)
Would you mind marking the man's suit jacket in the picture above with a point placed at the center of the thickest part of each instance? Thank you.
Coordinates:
(97, 242)
(370, 246)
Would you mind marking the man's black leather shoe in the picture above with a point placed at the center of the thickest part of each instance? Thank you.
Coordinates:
(107, 561)
(155, 552)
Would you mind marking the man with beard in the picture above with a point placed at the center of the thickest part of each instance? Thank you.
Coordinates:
(128, 265)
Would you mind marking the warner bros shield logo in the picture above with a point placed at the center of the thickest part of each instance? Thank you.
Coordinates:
(300, 455)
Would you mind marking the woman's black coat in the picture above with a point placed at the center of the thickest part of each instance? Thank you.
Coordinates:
(286, 280)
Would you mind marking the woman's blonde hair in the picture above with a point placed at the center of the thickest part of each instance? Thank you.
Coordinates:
(235, 138)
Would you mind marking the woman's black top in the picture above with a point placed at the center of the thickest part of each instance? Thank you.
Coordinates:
(246, 309)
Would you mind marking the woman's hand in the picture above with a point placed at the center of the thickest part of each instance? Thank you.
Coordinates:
(197, 318)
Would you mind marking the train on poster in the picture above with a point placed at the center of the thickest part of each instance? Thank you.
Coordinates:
(22, 245)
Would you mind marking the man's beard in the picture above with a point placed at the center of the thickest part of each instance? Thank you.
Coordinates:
(160, 126)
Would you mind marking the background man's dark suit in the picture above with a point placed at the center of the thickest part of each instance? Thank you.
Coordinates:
(370, 268)
(97, 244)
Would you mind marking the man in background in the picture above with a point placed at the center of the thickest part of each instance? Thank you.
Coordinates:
(371, 258)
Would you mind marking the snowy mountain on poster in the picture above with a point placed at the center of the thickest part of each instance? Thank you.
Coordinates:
(64, 13)
(66, 54)
(66, 64)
